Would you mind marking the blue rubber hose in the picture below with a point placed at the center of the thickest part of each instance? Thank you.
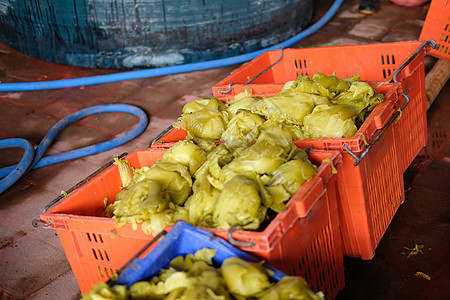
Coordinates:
(147, 73)
(33, 158)
(15, 172)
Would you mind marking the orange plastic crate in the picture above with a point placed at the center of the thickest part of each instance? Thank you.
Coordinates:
(304, 239)
(410, 130)
(437, 28)
(376, 120)
(371, 192)
(270, 71)
(369, 196)
(374, 62)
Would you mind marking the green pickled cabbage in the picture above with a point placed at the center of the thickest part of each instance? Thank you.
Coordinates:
(242, 130)
(158, 221)
(297, 153)
(319, 84)
(331, 83)
(242, 101)
(239, 204)
(143, 290)
(126, 171)
(244, 278)
(146, 203)
(195, 276)
(336, 121)
(201, 204)
(136, 202)
(205, 255)
(263, 157)
(350, 91)
(289, 287)
(175, 281)
(204, 119)
(190, 277)
(197, 105)
(286, 180)
(304, 84)
(197, 291)
(288, 107)
(279, 197)
(205, 124)
(361, 96)
(292, 175)
(288, 130)
(174, 178)
(186, 153)
(216, 159)
(101, 291)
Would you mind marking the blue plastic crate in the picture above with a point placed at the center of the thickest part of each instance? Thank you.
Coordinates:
(182, 239)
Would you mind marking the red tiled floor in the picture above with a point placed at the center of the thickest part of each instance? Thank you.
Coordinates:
(32, 261)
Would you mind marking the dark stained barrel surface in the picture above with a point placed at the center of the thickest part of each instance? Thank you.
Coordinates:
(133, 34)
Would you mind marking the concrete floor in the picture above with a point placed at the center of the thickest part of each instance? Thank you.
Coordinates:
(33, 264)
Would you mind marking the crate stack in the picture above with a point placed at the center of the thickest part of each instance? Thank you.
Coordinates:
(302, 240)
(332, 215)
(370, 182)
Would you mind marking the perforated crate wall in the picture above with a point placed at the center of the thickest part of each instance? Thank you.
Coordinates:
(437, 28)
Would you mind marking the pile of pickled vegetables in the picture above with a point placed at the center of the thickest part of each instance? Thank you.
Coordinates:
(307, 108)
(238, 162)
(195, 276)
(210, 185)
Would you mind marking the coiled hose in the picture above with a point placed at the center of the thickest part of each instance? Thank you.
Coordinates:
(33, 158)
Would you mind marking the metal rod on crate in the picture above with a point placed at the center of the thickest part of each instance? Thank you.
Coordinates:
(236, 242)
(394, 117)
(161, 134)
(251, 79)
(229, 88)
(433, 45)
(263, 71)
(36, 222)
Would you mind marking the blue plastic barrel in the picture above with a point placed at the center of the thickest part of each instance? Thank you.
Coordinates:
(133, 34)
